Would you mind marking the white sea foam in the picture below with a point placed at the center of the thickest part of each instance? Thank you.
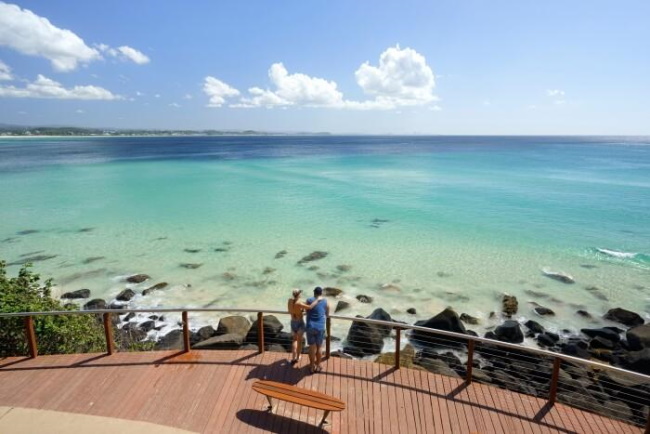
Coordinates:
(617, 254)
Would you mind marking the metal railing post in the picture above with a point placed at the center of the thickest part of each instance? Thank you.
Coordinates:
(31, 337)
(397, 346)
(328, 339)
(470, 361)
(260, 332)
(552, 393)
(108, 332)
(186, 332)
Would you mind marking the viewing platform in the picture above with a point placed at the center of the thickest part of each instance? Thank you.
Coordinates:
(208, 391)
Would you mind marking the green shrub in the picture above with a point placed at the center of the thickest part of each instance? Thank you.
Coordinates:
(60, 334)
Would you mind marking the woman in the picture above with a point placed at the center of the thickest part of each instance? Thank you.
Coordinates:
(296, 309)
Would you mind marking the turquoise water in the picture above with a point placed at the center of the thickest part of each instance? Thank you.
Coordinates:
(424, 222)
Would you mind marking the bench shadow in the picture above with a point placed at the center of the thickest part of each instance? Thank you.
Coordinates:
(281, 370)
(275, 423)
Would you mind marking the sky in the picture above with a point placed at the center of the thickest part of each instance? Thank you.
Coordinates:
(362, 67)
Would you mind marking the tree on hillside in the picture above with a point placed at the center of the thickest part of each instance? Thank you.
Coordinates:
(59, 334)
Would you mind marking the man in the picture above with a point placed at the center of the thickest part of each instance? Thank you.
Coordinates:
(316, 328)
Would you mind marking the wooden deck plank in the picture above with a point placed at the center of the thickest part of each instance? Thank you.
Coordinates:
(208, 390)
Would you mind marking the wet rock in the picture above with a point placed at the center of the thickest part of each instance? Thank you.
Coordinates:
(536, 293)
(341, 305)
(624, 316)
(118, 305)
(412, 311)
(128, 316)
(80, 293)
(510, 305)
(576, 349)
(280, 254)
(638, 338)
(313, 256)
(365, 339)
(447, 320)
(543, 311)
(638, 361)
(272, 326)
(125, 295)
(190, 266)
(205, 332)
(601, 343)
(364, 298)
(468, 319)
(534, 326)
(332, 292)
(343, 268)
(605, 332)
(234, 324)
(155, 287)
(138, 278)
(438, 366)
(95, 304)
(192, 250)
(147, 325)
(509, 331)
(545, 340)
(584, 314)
(171, 341)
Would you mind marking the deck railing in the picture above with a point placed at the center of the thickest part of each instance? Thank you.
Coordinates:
(493, 349)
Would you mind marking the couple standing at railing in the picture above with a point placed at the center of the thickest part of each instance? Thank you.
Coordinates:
(317, 310)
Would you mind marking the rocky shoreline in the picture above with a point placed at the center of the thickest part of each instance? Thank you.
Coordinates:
(607, 392)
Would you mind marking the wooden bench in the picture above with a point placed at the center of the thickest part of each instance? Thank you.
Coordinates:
(298, 395)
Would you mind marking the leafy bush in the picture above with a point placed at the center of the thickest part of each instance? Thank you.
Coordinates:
(59, 334)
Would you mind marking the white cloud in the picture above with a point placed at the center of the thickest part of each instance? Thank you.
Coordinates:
(80, 111)
(555, 93)
(138, 93)
(187, 96)
(175, 105)
(44, 87)
(218, 91)
(5, 71)
(402, 78)
(27, 33)
(157, 95)
(124, 53)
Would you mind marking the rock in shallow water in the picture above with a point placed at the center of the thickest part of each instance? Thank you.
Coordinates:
(638, 337)
(341, 305)
(468, 319)
(313, 256)
(95, 304)
(364, 298)
(509, 331)
(510, 305)
(125, 295)
(138, 278)
(624, 316)
(447, 320)
(80, 293)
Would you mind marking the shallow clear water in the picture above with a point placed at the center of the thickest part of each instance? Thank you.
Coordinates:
(447, 221)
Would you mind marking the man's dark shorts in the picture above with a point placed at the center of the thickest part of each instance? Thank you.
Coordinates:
(315, 336)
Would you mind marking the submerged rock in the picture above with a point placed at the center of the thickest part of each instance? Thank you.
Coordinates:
(332, 292)
(543, 311)
(364, 298)
(280, 254)
(343, 268)
(138, 278)
(35, 258)
(92, 259)
(313, 256)
(341, 305)
(559, 276)
(192, 250)
(28, 232)
(80, 293)
(584, 314)
(155, 287)
(411, 311)
(190, 266)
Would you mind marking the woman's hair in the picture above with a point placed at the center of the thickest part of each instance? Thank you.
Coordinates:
(296, 294)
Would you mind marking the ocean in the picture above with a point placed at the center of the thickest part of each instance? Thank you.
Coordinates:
(412, 222)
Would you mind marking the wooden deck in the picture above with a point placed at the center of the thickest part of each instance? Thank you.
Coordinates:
(210, 392)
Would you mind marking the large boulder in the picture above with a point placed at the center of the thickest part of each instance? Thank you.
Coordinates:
(95, 304)
(125, 295)
(138, 278)
(509, 331)
(625, 317)
(437, 366)
(510, 305)
(341, 305)
(447, 320)
(234, 324)
(605, 333)
(638, 338)
(272, 326)
(155, 287)
(205, 332)
(171, 341)
(365, 339)
(638, 361)
(230, 341)
(80, 293)
(534, 326)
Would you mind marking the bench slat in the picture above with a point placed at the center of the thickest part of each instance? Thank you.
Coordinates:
(297, 395)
